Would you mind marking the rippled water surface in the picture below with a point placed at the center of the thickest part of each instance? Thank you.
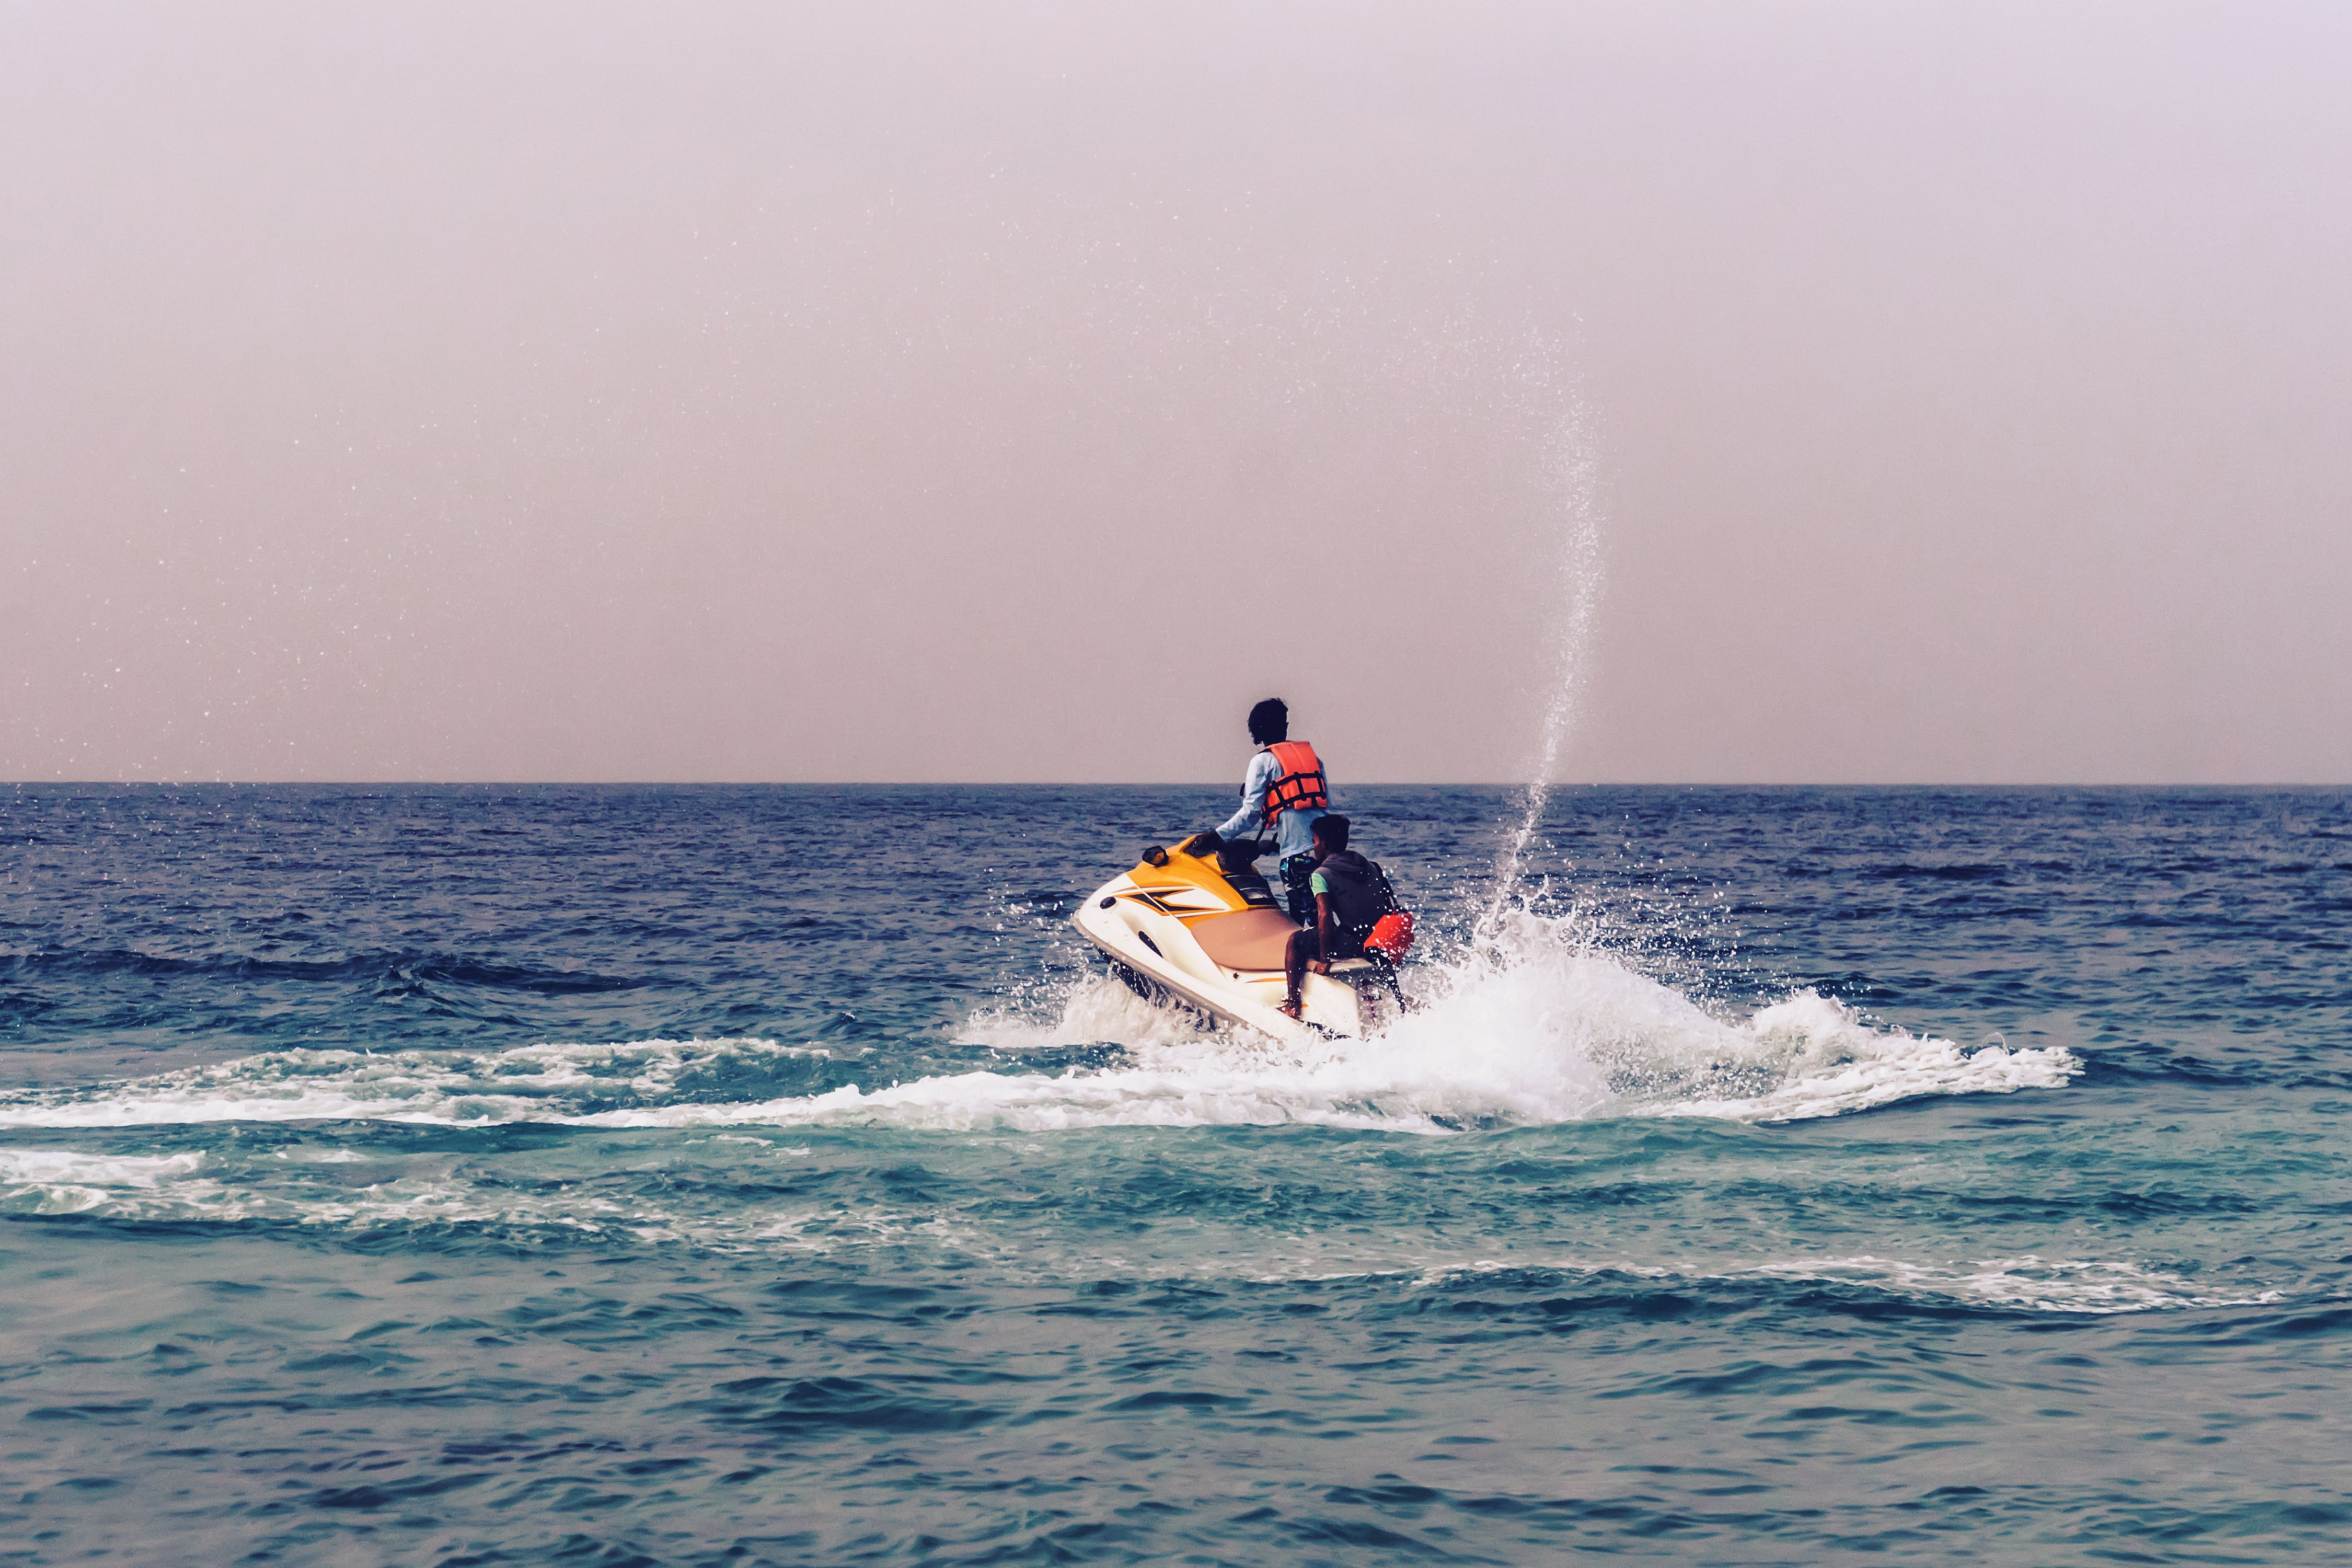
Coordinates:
(742, 1175)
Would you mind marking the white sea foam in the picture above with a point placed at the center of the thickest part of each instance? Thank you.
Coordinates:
(547, 1082)
(2093, 1286)
(2052, 1284)
(177, 1186)
(1534, 1029)
(1090, 1013)
(428, 1194)
(58, 1180)
(1580, 1038)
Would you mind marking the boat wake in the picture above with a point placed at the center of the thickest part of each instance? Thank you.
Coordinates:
(1534, 1029)
(1545, 1033)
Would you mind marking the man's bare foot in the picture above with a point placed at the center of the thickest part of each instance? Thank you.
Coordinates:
(1290, 1008)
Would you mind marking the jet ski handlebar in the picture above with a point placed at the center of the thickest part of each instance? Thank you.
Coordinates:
(1232, 855)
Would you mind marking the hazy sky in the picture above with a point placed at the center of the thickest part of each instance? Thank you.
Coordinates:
(1954, 392)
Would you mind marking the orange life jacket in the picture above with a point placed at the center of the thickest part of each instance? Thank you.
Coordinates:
(1300, 786)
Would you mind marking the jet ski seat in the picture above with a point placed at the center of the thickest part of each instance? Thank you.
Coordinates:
(1246, 939)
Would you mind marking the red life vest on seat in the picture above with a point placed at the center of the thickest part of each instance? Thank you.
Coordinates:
(1300, 786)
(1392, 936)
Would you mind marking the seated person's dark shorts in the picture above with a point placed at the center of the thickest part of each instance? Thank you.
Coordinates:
(1343, 945)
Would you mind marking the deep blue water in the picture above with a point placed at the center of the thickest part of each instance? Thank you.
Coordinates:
(735, 1175)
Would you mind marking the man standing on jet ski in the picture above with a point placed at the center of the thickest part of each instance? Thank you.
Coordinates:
(1284, 789)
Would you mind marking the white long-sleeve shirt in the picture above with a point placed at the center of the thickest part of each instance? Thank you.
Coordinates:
(1293, 830)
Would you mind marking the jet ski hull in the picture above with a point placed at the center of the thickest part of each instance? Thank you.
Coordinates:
(1184, 931)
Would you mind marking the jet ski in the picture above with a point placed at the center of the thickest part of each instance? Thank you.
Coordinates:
(1194, 925)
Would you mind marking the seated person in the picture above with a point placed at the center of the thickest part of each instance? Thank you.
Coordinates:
(1351, 894)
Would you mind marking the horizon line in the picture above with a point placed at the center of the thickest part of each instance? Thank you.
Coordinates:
(1220, 785)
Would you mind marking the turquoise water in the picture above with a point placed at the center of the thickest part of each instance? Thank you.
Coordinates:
(735, 1175)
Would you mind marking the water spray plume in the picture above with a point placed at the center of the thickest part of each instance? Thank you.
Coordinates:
(1574, 478)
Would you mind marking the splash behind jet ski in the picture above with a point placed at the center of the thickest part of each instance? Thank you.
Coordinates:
(1197, 926)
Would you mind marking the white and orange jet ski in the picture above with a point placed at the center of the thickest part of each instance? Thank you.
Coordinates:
(1190, 927)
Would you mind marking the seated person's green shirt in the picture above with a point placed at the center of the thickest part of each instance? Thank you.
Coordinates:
(1356, 891)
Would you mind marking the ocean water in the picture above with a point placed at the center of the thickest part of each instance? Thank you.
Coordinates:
(740, 1175)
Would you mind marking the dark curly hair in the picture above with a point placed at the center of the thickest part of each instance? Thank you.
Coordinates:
(1270, 722)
